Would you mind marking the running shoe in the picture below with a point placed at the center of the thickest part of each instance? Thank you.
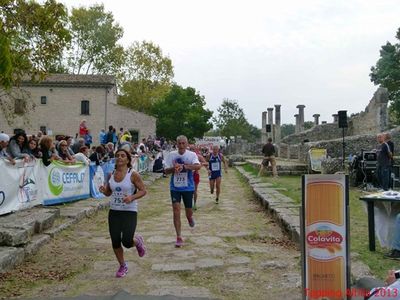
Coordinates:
(191, 222)
(179, 242)
(140, 247)
(216, 200)
(122, 271)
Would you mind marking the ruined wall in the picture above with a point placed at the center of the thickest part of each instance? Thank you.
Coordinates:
(317, 133)
(374, 118)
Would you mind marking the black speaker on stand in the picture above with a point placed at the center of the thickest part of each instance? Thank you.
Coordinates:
(342, 118)
(268, 128)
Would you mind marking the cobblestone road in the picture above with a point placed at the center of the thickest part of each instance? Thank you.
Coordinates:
(235, 252)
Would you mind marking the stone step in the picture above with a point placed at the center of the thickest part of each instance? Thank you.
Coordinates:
(16, 229)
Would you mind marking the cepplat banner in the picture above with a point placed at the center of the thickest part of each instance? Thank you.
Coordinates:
(64, 182)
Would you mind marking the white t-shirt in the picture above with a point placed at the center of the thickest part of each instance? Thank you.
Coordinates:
(182, 181)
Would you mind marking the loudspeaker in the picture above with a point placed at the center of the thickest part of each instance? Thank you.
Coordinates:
(342, 114)
(268, 127)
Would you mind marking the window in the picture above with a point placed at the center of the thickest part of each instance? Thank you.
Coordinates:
(85, 107)
(20, 106)
(43, 100)
(43, 129)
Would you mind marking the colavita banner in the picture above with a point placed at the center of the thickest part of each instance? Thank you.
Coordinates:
(325, 231)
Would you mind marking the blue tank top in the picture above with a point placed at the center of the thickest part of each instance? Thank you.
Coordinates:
(215, 165)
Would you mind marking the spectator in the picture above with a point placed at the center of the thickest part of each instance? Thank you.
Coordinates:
(115, 137)
(126, 137)
(64, 154)
(83, 155)
(120, 133)
(33, 149)
(39, 135)
(158, 166)
(110, 135)
(102, 137)
(110, 150)
(18, 146)
(88, 139)
(83, 129)
(98, 156)
(384, 162)
(69, 143)
(4, 139)
(80, 143)
(47, 148)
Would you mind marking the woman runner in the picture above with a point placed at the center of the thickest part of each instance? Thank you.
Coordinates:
(125, 187)
(215, 158)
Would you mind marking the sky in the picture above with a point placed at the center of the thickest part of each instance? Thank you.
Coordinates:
(262, 53)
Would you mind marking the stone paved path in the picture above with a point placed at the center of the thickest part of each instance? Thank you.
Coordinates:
(235, 252)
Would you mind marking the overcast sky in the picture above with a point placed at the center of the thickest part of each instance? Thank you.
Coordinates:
(261, 53)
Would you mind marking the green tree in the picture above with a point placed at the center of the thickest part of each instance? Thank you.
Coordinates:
(146, 76)
(231, 120)
(95, 36)
(182, 112)
(32, 36)
(386, 72)
(308, 125)
(287, 129)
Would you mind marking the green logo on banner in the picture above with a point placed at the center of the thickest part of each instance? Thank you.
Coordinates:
(55, 182)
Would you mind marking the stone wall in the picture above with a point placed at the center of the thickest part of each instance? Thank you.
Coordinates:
(317, 133)
(374, 118)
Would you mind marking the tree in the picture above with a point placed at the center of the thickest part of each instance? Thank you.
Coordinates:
(287, 129)
(308, 125)
(386, 72)
(94, 48)
(231, 120)
(146, 76)
(182, 112)
(32, 36)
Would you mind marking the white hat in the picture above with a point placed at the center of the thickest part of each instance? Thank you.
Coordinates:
(4, 137)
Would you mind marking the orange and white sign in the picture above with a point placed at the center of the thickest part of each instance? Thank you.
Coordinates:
(325, 237)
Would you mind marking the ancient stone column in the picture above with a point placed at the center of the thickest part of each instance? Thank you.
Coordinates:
(263, 129)
(335, 118)
(301, 117)
(316, 119)
(296, 130)
(277, 138)
(270, 121)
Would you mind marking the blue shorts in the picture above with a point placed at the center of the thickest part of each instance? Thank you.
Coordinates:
(215, 175)
(187, 197)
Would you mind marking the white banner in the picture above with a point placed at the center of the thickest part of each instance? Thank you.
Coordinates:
(19, 187)
(25, 185)
(64, 182)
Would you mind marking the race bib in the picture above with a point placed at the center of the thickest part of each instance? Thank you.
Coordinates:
(181, 179)
(215, 166)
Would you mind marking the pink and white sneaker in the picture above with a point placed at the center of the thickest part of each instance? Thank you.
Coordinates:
(122, 271)
(140, 247)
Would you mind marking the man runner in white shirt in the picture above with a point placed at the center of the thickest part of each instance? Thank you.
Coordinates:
(181, 164)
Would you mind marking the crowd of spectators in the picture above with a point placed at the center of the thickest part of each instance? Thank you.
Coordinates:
(69, 149)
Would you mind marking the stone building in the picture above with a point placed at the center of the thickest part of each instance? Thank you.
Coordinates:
(61, 101)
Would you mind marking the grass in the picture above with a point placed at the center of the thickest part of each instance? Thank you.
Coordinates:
(358, 223)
